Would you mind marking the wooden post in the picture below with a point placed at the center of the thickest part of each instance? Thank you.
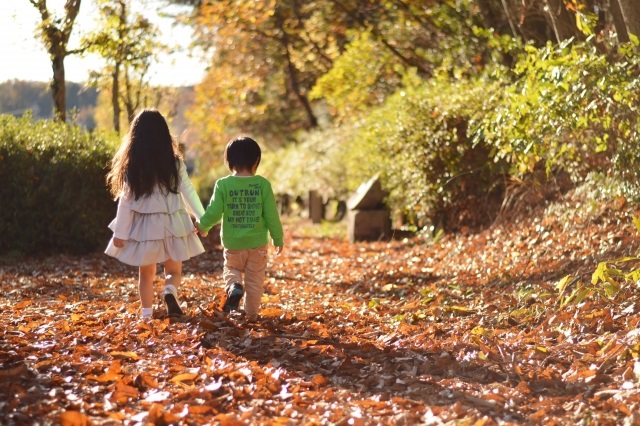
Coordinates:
(316, 208)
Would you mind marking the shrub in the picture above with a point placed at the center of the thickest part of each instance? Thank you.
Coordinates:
(569, 106)
(54, 194)
(428, 159)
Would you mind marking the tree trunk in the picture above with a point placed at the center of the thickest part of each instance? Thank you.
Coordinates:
(618, 22)
(293, 77)
(630, 10)
(313, 121)
(115, 94)
(131, 97)
(510, 20)
(59, 88)
(55, 40)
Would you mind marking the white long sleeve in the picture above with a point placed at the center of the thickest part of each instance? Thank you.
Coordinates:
(124, 219)
(189, 193)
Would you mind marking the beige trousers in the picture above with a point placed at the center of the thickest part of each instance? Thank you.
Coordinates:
(249, 264)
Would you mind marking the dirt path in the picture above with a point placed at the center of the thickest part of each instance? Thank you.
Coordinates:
(464, 330)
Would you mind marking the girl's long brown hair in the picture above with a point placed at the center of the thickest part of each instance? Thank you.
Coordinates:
(147, 158)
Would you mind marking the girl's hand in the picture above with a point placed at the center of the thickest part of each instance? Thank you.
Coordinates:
(118, 242)
(279, 250)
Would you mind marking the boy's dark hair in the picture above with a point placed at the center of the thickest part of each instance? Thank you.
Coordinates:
(242, 153)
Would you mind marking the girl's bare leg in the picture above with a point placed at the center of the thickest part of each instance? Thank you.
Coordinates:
(173, 273)
(145, 284)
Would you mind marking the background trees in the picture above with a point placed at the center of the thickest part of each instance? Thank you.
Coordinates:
(128, 43)
(126, 39)
(55, 33)
(265, 57)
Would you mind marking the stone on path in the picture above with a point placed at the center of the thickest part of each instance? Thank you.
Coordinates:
(368, 219)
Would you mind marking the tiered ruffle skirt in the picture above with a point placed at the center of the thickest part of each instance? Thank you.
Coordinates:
(157, 236)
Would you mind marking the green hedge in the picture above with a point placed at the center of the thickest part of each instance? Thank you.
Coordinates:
(53, 192)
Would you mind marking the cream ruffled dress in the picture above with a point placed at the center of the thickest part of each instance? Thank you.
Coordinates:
(157, 227)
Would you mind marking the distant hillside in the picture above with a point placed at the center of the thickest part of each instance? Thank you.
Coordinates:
(17, 96)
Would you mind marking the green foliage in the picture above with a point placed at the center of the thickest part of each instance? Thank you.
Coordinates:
(447, 145)
(128, 42)
(54, 195)
(569, 106)
(606, 282)
(361, 77)
(371, 68)
(460, 47)
(419, 142)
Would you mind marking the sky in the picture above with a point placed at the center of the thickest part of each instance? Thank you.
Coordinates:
(24, 57)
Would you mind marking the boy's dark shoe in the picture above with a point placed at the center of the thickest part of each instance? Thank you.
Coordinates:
(171, 301)
(234, 294)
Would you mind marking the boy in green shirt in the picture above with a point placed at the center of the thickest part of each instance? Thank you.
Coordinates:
(247, 207)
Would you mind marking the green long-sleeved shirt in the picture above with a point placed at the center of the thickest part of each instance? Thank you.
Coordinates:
(247, 207)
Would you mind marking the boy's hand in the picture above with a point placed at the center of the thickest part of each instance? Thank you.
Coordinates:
(199, 231)
(279, 249)
(118, 242)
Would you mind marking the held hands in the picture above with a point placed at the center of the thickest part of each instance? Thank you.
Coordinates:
(118, 242)
(199, 231)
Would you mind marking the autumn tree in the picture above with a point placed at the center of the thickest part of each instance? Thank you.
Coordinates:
(268, 56)
(281, 66)
(127, 41)
(55, 33)
(395, 40)
(265, 57)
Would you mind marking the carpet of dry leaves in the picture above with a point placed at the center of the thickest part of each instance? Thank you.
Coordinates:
(467, 329)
